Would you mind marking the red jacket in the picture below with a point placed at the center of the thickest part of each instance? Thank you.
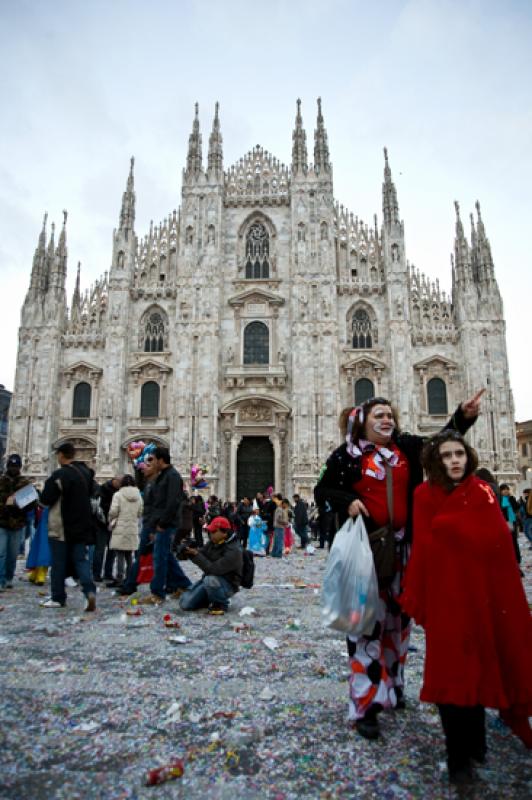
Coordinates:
(462, 584)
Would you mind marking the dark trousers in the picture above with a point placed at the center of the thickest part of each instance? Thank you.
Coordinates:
(243, 534)
(102, 540)
(198, 534)
(465, 734)
(61, 552)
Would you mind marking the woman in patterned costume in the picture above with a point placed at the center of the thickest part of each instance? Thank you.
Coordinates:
(462, 584)
(354, 482)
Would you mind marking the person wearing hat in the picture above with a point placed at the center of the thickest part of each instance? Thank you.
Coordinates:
(12, 519)
(221, 561)
(67, 493)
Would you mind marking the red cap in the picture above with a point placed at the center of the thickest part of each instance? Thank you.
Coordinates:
(217, 523)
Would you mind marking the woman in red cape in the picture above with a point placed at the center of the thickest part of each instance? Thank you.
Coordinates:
(463, 586)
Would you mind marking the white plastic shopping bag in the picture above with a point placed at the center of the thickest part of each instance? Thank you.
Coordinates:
(350, 591)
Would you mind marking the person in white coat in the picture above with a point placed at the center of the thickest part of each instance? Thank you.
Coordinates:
(124, 514)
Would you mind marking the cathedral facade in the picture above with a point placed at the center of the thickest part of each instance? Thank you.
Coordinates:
(236, 330)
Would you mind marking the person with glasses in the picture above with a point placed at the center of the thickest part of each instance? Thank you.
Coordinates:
(377, 463)
(462, 585)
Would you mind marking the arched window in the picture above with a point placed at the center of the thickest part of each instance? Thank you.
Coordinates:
(211, 235)
(189, 235)
(362, 334)
(324, 232)
(257, 252)
(149, 399)
(154, 334)
(81, 406)
(301, 232)
(437, 396)
(256, 343)
(364, 390)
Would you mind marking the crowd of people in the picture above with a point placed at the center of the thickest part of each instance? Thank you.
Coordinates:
(446, 554)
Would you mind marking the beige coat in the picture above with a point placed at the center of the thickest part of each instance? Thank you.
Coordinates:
(126, 509)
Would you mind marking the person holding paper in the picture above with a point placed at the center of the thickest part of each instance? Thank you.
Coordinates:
(12, 519)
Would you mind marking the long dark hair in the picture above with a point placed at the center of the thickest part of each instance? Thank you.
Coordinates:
(360, 415)
(432, 460)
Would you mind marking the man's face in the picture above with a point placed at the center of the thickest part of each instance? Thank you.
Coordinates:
(505, 492)
(115, 483)
(61, 459)
(150, 467)
(218, 536)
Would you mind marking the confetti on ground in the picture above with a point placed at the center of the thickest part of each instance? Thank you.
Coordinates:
(88, 711)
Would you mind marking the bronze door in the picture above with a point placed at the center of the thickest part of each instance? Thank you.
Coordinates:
(255, 466)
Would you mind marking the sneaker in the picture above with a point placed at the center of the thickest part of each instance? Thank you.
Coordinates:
(9, 584)
(216, 610)
(112, 584)
(51, 604)
(151, 600)
(70, 582)
(91, 602)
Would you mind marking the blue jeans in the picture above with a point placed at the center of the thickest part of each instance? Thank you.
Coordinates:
(79, 554)
(210, 589)
(9, 545)
(527, 528)
(278, 543)
(168, 575)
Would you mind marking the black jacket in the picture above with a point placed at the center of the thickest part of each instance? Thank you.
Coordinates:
(267, 512)
(12, 517)
(225, 560)
(167, 497)
(300, 514)
(67, 492)
(342, 471)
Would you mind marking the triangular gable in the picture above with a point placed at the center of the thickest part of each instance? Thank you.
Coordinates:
(364, 361)
(256, 295)
(436, 360)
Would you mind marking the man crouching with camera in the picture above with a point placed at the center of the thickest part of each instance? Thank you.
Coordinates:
(221, 561)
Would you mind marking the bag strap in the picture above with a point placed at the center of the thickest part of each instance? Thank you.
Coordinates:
(389, 492)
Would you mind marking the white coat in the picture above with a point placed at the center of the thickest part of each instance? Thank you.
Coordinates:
(126, 508)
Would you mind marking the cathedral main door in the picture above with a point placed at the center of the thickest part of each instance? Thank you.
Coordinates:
(255, 466)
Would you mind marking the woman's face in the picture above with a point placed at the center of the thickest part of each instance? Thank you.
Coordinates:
(454, 459)
(380, 424)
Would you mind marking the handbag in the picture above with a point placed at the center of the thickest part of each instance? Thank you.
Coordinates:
(146, 573)
(350, 598)
(382, 541)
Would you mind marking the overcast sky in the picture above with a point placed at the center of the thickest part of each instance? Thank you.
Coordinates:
(445, 85)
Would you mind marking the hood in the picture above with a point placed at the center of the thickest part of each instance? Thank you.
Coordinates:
(130, 493)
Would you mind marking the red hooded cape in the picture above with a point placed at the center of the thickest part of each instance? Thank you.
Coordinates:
(463, 586)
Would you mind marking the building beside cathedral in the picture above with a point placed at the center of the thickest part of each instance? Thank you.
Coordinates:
(236, 330)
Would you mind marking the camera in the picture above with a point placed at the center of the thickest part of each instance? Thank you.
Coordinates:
(183, 545)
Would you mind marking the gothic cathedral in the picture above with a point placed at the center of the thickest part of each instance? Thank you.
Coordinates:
(236, 330)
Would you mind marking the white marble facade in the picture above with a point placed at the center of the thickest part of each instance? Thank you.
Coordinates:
(161, 347)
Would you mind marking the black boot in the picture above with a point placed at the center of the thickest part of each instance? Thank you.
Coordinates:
(368, 726)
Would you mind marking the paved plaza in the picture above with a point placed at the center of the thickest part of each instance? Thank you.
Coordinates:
(254, 703)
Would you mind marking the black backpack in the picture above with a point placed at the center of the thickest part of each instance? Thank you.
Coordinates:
(248, 570)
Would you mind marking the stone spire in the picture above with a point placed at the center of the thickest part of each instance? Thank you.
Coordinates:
(194, 157)
(322, 163)
(299, 145)
(462, 260)
(390, 206)
(38, 270)
(76, 295)
(127, 212)
(59, 263)
(481, 251)
(215, 158)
